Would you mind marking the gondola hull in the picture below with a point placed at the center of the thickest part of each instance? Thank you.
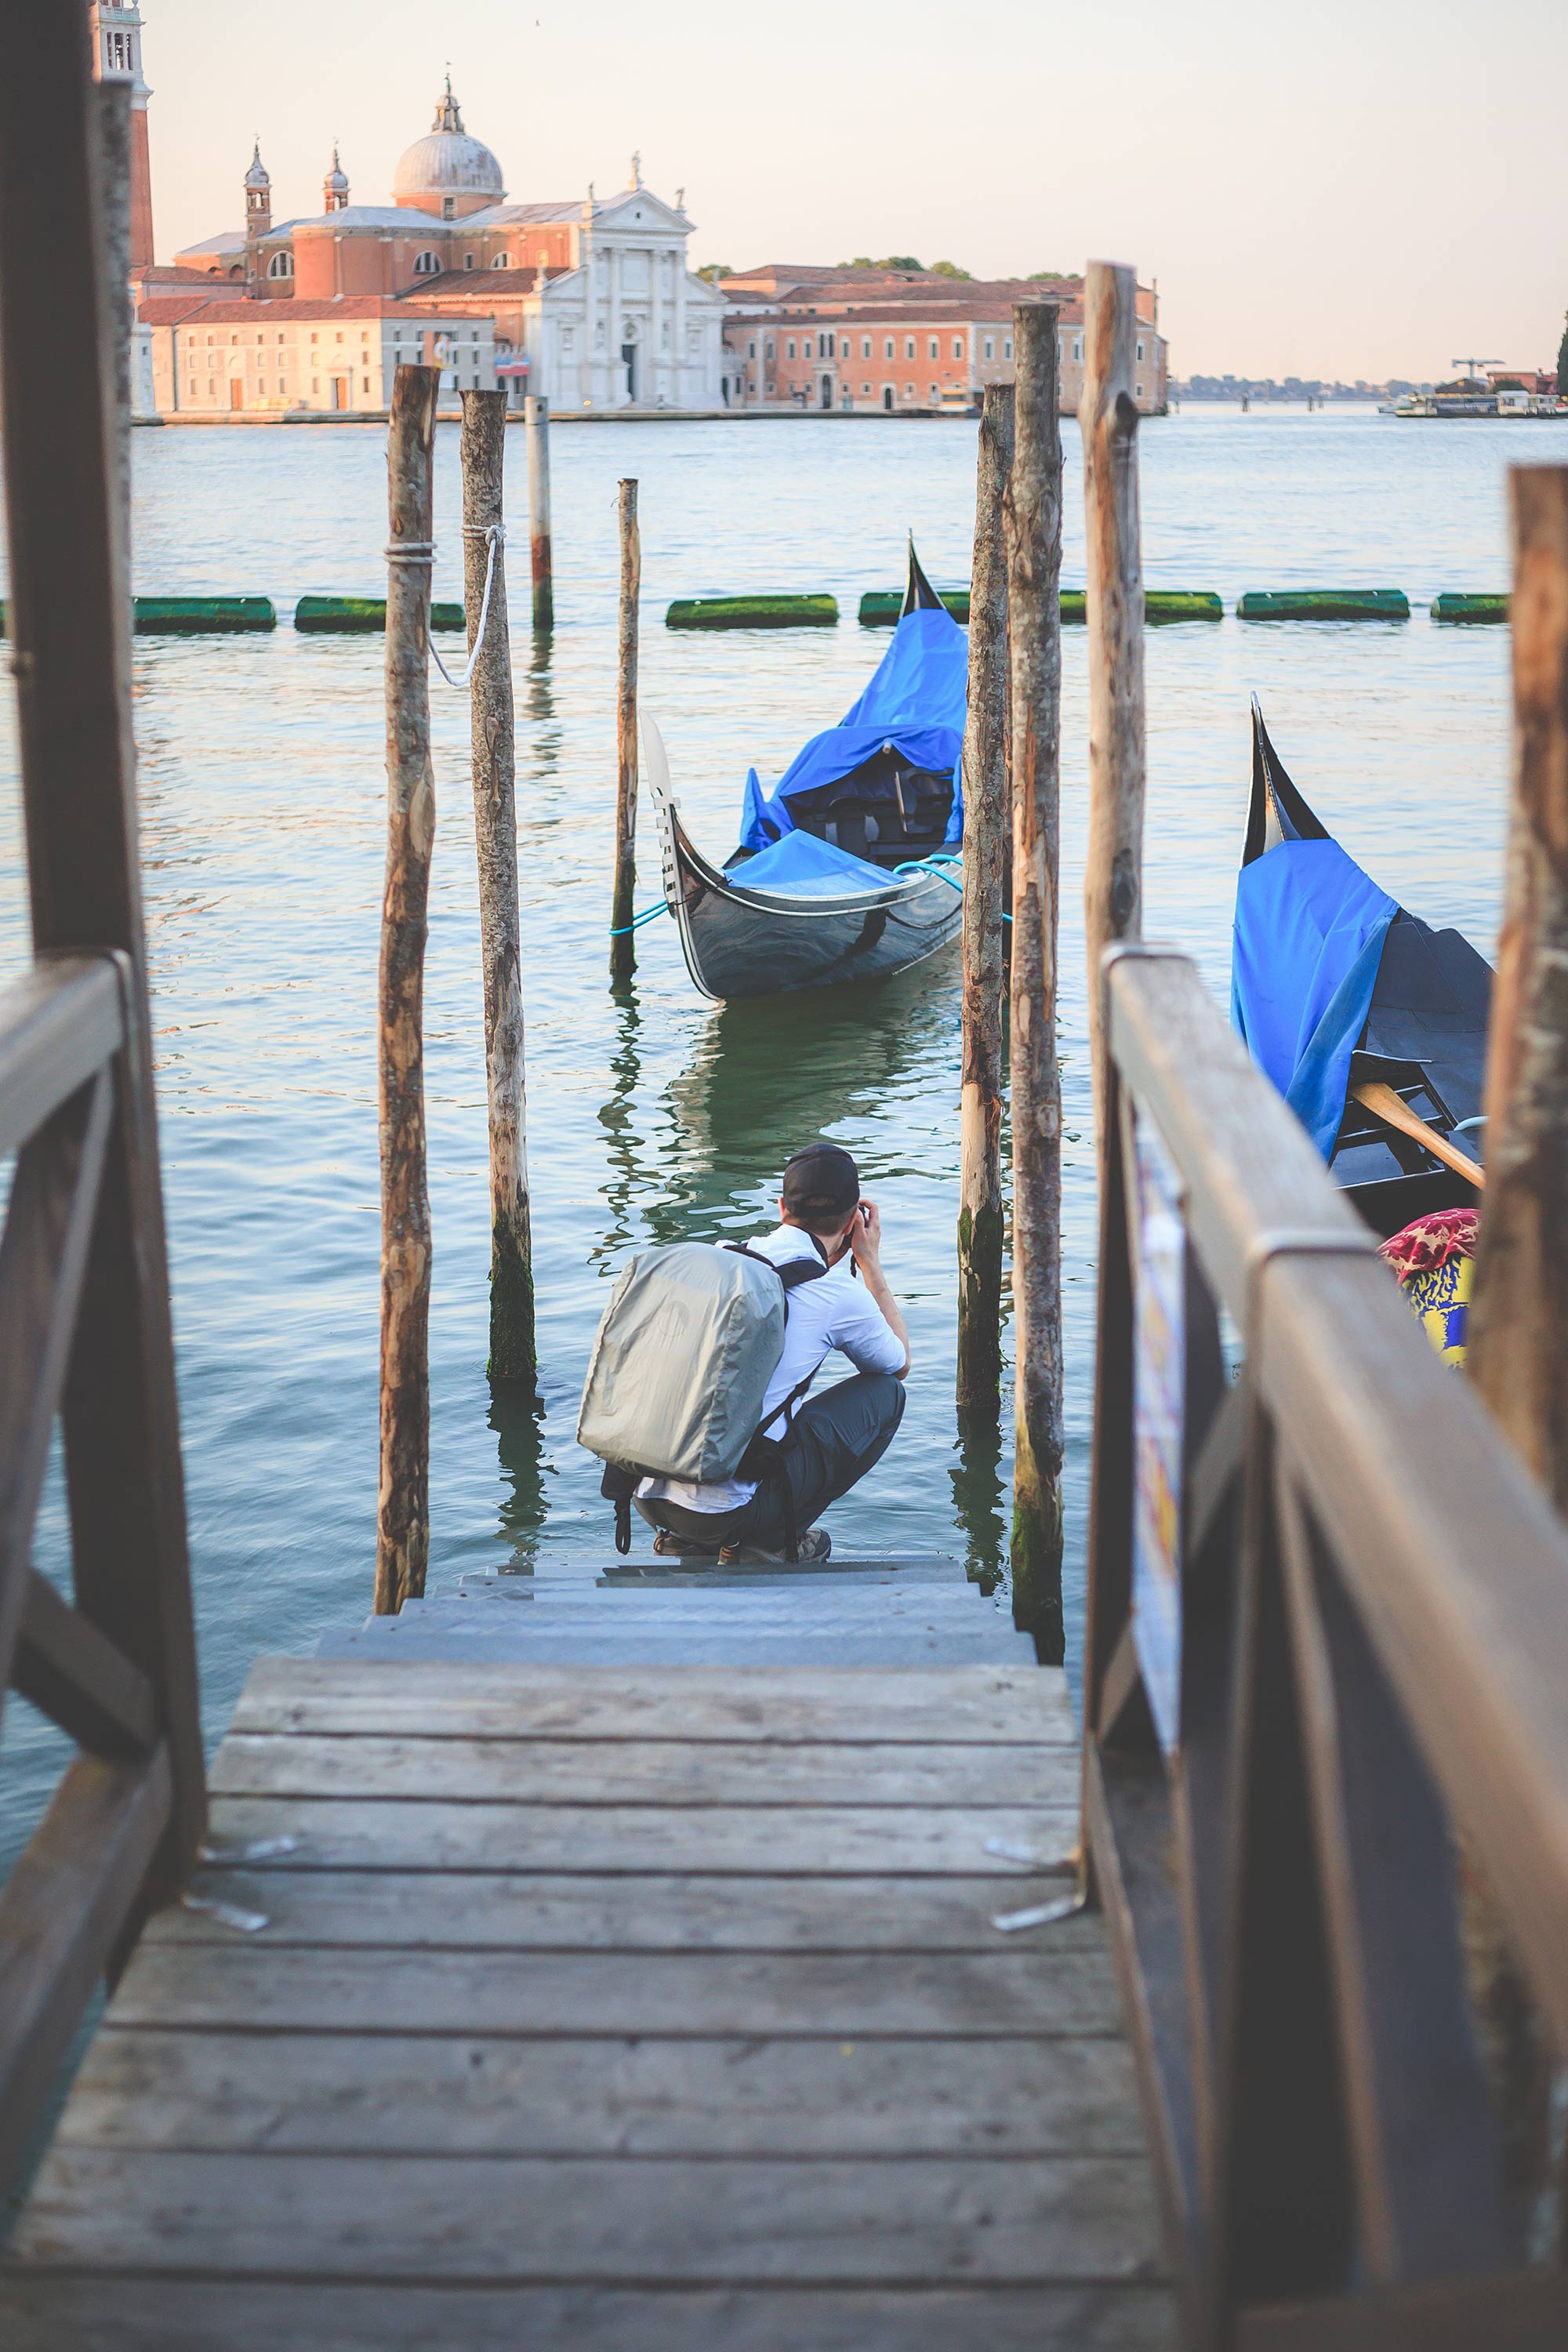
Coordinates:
(741, 943)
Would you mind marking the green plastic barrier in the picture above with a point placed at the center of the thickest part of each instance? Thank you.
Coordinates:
(362, 616)
(1324, 604)
(1471, 609)
(202, 616)
(880, 607)
(753, 612)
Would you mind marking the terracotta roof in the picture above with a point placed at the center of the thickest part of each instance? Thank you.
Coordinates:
(170, 311)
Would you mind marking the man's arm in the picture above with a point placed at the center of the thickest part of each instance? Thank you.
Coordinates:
(866, 1244)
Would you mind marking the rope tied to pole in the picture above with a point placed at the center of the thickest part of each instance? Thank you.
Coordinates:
(423, 550)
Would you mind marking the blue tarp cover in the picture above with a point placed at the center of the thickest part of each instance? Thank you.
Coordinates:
(1310, 929)
(807, 867)
(914, 702)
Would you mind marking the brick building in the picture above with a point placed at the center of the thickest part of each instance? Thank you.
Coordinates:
(904, 340)
(214, 358)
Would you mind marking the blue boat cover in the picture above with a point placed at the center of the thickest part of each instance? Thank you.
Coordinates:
(1310, 929)
(803, 866)
(915, 702)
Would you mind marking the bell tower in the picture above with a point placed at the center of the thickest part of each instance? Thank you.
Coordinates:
(117, 56)
(335, 186)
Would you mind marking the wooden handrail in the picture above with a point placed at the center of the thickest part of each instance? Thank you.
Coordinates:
(1370, 1602)
(58, 1023)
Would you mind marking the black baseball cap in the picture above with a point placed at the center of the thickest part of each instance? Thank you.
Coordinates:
(822, 1181)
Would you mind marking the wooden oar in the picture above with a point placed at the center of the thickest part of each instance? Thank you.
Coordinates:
(1393, 1111)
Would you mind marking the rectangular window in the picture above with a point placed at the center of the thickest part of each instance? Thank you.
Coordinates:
(789, 349)
(1007, 348)
(315, 380)
(888, 348)
(934, 347)
(192, 394)
(1140, 354)
(910, 350)
(1078, 347)
(990, 347)
(958, 347)
(752, 349)
(768, 348)
(364, 383)
(315, 339)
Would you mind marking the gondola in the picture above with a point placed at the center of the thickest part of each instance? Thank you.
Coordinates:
(849, 870)
(1361, 1014)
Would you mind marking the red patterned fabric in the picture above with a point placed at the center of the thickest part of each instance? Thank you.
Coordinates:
(1430, 1242)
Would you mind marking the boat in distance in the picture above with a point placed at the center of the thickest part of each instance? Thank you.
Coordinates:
(1372, 1024)
(849, 870)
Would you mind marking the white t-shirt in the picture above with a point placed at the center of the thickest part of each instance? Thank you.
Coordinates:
(835, 1311)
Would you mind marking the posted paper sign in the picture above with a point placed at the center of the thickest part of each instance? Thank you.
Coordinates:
(1159, 1379)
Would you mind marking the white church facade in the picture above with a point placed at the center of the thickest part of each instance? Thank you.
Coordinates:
(590, 303)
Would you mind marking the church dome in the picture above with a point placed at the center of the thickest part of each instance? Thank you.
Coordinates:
(447, 162)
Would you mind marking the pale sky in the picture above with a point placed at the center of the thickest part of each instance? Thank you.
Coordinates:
(1357, 188)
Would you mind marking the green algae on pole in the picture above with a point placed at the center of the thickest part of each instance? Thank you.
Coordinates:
(623, 945)
(753, 612)
(361, 616)
(403, 1510)
(494, 756)
(1034, 523)
(985, 819)
(1467, 610)
(1323, 605)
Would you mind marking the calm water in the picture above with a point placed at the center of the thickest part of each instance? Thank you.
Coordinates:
(658, 1116)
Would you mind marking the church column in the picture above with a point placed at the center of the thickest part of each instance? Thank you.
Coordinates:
(658, 367)
(678, 331)
(613, 334)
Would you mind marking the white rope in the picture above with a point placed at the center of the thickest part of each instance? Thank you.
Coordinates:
(494, 535)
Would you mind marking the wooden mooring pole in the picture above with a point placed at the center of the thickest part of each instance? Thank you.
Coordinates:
(1107, 418)
(536, 429)
(1033, 519)
(1518, 1353)
(623, 943)
(512, 1356)
(403, 1513)
(986, 821)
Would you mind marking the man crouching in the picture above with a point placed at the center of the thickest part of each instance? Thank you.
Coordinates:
(821, 1447)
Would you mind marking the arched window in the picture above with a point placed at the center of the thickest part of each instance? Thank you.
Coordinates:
(428, 265)
(281, 266)
(501, 261)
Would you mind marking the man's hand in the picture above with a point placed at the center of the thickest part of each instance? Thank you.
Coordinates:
(866, 1244)
(866, 1235)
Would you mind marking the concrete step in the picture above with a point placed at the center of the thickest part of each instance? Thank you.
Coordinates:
(528, 1637)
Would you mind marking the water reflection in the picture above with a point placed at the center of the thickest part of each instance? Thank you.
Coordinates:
(517, 1421)
(770, 1073)
(628, 1178)
(980, 1497)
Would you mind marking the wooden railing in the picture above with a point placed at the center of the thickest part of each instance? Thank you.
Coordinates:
(1327, 1652)
(85, 1334)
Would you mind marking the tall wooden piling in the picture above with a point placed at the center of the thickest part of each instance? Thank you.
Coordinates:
(1107, 417)
(1518, 1321)
(536, 428)
(1517, 1351)
(403, 1513)
(985, 823)
(623, 945)
(1033, 519)
(512, 1356)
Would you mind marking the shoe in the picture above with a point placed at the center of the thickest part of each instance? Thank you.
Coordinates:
(669, 1546)
(812, 1548)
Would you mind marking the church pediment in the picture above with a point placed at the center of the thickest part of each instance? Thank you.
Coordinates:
(640, 209)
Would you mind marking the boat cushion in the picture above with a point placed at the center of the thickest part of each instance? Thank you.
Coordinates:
(800, 864)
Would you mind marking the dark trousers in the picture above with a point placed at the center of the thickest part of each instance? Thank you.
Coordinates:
(835, 1439)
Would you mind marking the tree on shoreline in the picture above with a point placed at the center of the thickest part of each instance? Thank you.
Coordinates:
(1562, 360)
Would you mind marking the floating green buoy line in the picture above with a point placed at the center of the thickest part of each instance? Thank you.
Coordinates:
(753, 612)
(1453, 606)
(1323, 605)
(357, 615)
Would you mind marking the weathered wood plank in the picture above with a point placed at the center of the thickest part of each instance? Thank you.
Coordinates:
(121, 2314)
(363, 1833)
(655, 1772)
(683, 2221)
(1024, 1987)
(474, 2095)
(480, 1911)
(789, 1704)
